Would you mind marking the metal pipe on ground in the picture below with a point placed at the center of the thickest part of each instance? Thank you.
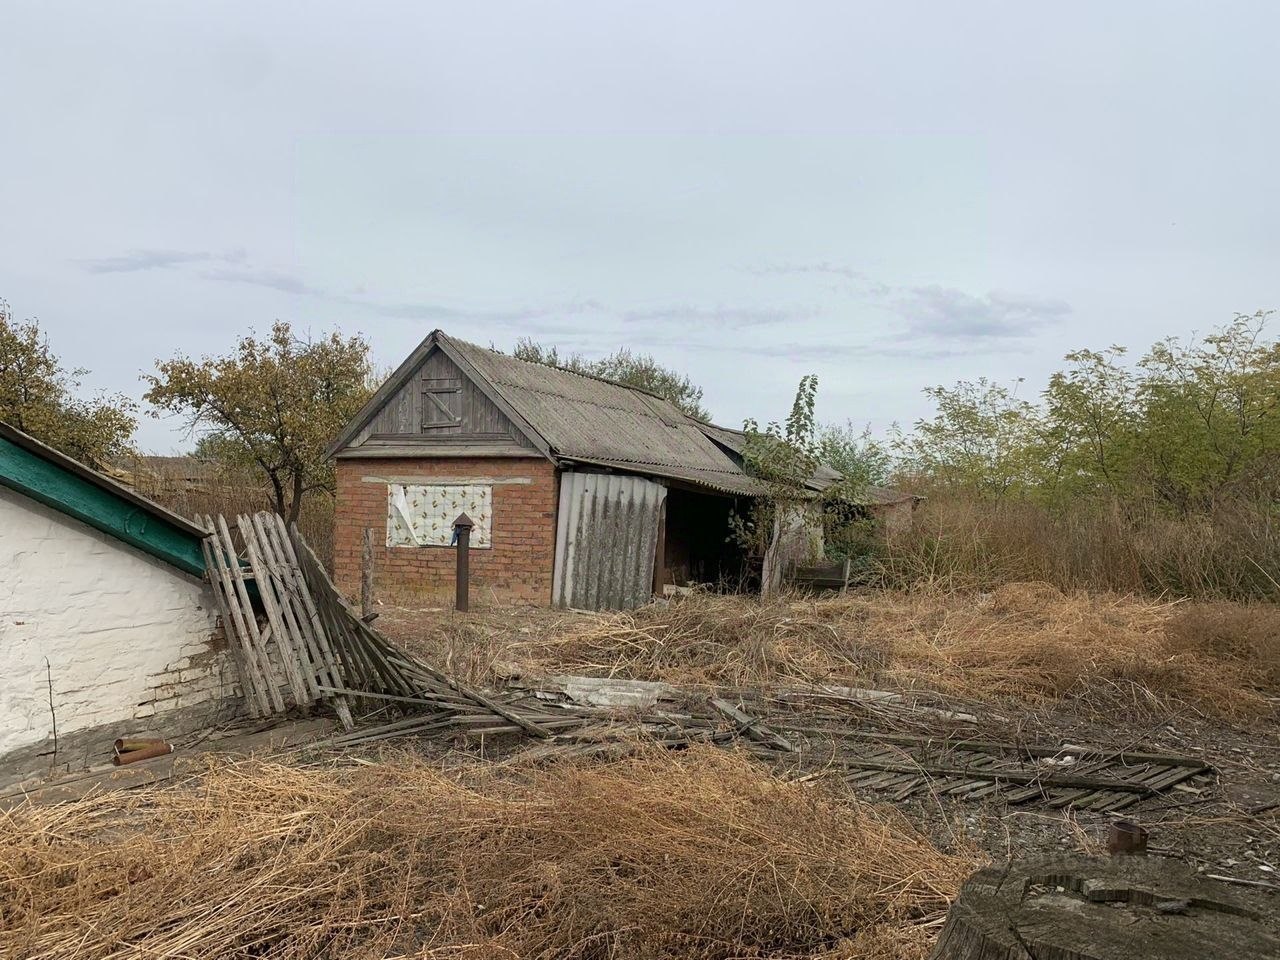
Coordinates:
(146, 753)
(128, 744)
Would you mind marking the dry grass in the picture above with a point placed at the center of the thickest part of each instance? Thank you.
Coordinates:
(958, 542)
(1026, 642)
(232, 496)
(660, 855)
(1246, 633)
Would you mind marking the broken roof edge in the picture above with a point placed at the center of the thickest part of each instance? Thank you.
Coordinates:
(871, 495)
(62, 483)
(741, 485)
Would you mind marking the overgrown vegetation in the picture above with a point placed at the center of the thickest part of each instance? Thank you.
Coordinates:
(814, 478)
(270, 407)
(783, 458)
(39, 396)
(962, 542)
(701, 854)
(626, 367)
(1025, 642)
(1191, 424)
(1162, 476)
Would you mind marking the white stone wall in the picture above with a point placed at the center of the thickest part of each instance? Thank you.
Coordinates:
(127, 637)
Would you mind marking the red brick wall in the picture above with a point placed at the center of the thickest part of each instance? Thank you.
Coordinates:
(516, 568)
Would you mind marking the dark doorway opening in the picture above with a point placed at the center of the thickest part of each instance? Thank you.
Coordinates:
(697, 548)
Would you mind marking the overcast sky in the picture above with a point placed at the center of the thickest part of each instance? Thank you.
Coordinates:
(889, 195)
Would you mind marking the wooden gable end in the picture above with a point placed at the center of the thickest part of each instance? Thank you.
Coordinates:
(438, 405)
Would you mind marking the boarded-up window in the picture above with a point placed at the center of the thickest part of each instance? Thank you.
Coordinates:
(422, 516)
(441, 405)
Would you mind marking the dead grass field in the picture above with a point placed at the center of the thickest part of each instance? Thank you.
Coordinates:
(661, 854)
(1024, 642)
(698, 854)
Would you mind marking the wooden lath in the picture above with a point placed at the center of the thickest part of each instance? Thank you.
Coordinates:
(288, 660)
(308, 645)
(377, 667)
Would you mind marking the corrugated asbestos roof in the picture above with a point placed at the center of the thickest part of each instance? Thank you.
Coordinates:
(734, 482)
(596, 421)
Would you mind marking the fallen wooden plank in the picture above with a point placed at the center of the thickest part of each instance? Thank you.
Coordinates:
(606, 691)
(96, 780)
(751, 726)
(185, 760)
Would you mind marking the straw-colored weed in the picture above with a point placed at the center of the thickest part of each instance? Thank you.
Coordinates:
(1028, 642)
(695, 855)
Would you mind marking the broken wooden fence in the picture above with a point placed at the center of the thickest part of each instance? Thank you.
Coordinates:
(313, 646)
(298, 642)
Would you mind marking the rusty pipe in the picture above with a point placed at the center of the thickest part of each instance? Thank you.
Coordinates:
(1126, 838)
(126, 744)
(146, 753)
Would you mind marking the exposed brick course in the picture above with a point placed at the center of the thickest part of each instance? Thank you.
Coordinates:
(518, 565)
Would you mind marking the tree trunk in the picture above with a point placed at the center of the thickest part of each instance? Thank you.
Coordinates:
(771, 568)
(295, 508)
(1124, 908)
(277, 491)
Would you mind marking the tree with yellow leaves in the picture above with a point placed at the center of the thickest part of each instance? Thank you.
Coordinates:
(272, 405)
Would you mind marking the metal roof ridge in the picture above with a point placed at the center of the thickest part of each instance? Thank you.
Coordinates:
(96, 477)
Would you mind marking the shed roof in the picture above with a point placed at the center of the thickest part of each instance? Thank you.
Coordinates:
(42, 473)
(823, 477)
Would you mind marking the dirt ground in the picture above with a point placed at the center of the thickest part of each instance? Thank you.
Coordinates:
(1229, 825)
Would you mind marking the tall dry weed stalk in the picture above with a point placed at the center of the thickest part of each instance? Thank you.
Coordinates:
(958, 542)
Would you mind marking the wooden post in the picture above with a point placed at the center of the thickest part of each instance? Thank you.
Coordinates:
(462, 537)
(660, 550)
(366, 576)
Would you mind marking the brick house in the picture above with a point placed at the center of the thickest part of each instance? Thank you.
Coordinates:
(584, 492)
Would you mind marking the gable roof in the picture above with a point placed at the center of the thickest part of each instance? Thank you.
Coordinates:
(576, 417)
(42, 473)
(580, 418)
(596, 421)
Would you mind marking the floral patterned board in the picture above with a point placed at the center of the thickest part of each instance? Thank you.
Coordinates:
(423, 516)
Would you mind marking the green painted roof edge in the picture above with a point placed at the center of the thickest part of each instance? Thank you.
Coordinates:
(49, 477)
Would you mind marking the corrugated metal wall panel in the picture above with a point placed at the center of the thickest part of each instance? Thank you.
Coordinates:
(606, 533)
